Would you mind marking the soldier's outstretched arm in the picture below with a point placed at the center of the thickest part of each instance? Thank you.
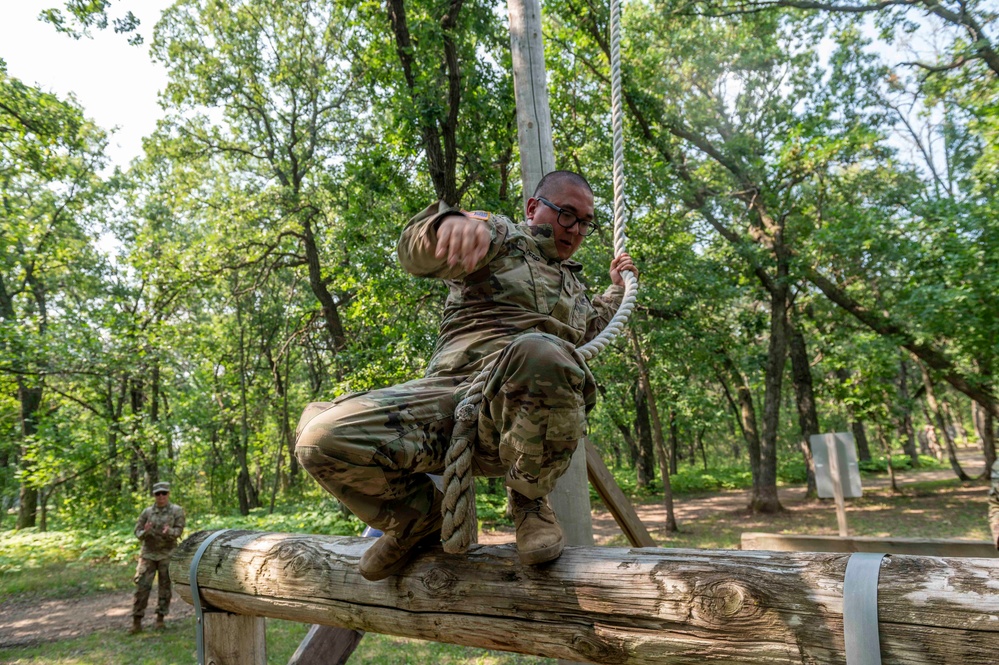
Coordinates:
(446, 243)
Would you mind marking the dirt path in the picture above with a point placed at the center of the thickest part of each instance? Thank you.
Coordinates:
(29, 622)
(23, 623)
(694, 507)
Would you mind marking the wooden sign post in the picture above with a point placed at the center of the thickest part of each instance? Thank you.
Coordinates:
(837, 474)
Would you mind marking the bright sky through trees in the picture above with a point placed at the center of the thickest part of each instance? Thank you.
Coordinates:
(115, 83)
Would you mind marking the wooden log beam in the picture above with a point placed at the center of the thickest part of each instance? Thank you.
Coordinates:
(754, 540)
(609, 605)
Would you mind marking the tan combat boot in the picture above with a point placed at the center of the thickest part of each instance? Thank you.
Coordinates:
(159, 622)
(539, 536)
(136, 625)
(387, 555)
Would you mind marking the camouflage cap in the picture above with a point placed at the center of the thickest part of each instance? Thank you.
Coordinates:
(161, 487)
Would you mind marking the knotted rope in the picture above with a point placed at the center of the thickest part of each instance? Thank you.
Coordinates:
(461, 523)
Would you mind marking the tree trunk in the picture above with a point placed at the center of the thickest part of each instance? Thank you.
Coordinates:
(700, 445)
(887, 450)
(643, 377)
(903, 415)
(746, 419)
(643, 432)
(955, 425)
(635, 455)
(766, 501)
(674, 442)
(320, 288)
(808, 418)
(934, 407)
(860, 437)
(438, 133)
(30, 398)
(985, 428)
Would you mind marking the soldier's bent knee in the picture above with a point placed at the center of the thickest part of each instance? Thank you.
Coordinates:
(542, 349)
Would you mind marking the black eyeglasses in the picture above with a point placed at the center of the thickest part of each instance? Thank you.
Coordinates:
(160, 493)
(585, 228)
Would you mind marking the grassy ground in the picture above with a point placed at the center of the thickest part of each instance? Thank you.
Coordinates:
(939, 509)
(175, 645)
(42, 566)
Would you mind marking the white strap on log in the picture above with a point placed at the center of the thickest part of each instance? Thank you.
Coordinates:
(860, 609)
(199, 612)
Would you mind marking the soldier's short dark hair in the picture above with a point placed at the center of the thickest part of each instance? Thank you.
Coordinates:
(556, 180)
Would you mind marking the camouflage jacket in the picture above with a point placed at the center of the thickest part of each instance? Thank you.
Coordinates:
(157, 545)
(994, 504)
(520, 285)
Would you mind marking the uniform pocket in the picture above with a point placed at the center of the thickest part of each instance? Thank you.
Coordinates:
(566, 424)
(511, 282)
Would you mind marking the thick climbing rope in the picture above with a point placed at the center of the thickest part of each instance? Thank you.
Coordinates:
(460, 526)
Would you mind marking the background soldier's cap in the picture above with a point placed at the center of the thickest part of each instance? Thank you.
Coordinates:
(161, 487)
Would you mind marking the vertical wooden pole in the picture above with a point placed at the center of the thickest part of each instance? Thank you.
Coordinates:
(234, 639)
(534, 123)
(571, 498)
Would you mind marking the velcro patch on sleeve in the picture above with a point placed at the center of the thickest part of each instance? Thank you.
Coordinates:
(480, 215)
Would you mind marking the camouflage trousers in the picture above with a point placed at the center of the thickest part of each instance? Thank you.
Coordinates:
(373, 450)
(144, 574)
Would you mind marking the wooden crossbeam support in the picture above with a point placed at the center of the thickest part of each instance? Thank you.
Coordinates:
(617, 503)
(609, 605)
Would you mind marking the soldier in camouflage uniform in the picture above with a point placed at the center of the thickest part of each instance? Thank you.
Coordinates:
(994, 504)
(158, 527)
(516, 299)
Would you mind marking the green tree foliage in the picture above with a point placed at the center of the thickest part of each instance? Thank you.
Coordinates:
(50, 156)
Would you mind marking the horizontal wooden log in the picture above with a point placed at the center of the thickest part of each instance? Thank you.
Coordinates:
(609, 605)
(753, 540)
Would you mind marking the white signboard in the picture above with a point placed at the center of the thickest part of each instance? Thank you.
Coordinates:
(832, 452)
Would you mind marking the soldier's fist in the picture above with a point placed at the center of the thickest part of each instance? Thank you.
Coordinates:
(462, 240)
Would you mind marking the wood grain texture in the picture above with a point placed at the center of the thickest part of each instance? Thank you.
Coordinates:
(326, 645)
(233, 639)
(609, 605)
(918, 546)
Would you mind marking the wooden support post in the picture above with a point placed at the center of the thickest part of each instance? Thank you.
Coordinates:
(643, 606)
(326, 645)
(530, 86)
(234, 639)
(571, 498)
(615, 500)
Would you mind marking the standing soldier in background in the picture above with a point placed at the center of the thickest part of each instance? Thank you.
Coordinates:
(158, 527)
(994, 504)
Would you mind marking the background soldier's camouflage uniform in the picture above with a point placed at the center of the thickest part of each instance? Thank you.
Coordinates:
(994, 504)
(520, 306)
(155, 556)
